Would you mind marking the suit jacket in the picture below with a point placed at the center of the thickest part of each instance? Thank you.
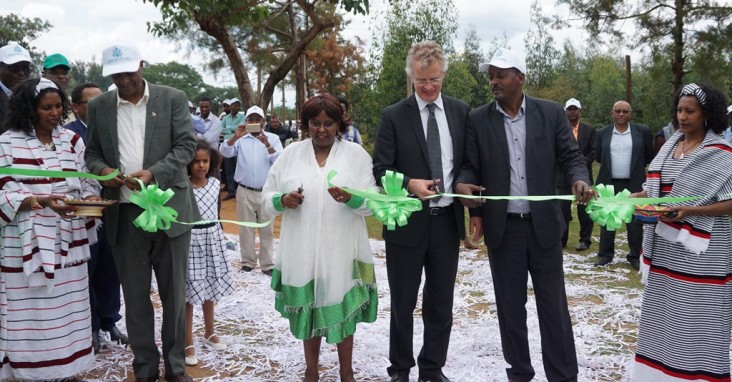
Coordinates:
(78, 127)
(169, 147)
(642, 155)
(549, 145)
(400, 145)
(586, 138)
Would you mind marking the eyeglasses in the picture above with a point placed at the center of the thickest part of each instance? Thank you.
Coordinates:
(616, 111)
(19, 67)
(431, 81)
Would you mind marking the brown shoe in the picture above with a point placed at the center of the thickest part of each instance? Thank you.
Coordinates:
(182, 377)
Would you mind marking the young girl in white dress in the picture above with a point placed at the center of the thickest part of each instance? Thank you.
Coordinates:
(209, 277)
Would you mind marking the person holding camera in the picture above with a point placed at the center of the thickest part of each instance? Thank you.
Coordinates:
(255, 151)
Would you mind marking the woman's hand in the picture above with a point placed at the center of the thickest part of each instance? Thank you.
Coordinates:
(677, 213)
(642, 194)
(339, 195)
(292, 199)
(93, 198)
(55, 202)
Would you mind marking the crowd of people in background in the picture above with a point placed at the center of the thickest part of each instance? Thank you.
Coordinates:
(61, 272)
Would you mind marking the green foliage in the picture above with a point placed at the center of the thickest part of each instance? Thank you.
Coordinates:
(176, 75)
(14, 28)
(459, 83)
(82, 72)
(541, 54)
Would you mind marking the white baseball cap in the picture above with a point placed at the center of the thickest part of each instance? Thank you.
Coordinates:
(227, 102)
(120, 58)
(573, 102)
(190, 104)
(12, 53)
(729, 109)
(504, 59)
(234, 100)
(255, 110)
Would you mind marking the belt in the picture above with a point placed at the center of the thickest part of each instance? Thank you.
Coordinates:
(207, 225)
(251, 188)
(522, 216)
(434, 211)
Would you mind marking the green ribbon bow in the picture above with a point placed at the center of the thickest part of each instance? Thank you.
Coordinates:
(393, 208)
(611, 210)
(155, 215)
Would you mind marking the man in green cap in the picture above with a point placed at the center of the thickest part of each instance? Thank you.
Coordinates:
(56, 68)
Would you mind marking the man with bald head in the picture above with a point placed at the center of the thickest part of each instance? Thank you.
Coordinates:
(623, 150)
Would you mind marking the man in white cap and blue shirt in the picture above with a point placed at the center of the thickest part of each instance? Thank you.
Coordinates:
(144, 130)
(228, 126)
(254, 151)
(513, 147)
(15, 66)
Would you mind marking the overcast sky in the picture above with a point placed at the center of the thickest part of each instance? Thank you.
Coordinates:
(82, 28)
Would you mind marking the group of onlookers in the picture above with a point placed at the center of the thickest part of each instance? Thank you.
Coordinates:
(58, 292)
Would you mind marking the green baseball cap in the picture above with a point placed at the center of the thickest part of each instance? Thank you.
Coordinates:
(55, 60)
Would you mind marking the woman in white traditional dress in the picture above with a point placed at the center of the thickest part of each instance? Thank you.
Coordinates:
(45, 322)
(324, 270)
(684, 331)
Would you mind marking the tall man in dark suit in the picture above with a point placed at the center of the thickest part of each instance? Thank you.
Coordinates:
(104, 296)
(585, 135)
(623, 151)
(423, 137)
(145, 131)
(513, 147)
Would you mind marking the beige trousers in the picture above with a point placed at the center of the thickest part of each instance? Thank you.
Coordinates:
(249, 208)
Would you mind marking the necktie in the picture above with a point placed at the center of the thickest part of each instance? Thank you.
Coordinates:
(433, 147)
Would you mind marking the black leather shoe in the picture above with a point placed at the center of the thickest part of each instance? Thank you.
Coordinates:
(400, 377)
(634, 262)
(182, 377)
(582, 246)
(116, 336)
(246, 269)
(602, 261)
(96, 344)
(439, 378)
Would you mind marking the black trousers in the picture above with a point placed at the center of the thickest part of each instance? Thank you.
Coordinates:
(586, 224)
(104, 295)
(437, 254)
(229, 170)
(635, 231)
(518, 256)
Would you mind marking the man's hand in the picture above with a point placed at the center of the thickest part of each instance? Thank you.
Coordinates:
(131, 180)
(468, 189)
(582, 192)
(263, 138)
(116, 182)
(475, 228)
(422, 187)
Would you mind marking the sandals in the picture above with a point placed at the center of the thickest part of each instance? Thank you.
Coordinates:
(191, 360)
(218, 346)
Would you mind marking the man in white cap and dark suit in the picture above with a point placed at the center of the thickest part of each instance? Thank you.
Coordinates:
(145, 131)
(15, 66)
(513, 147)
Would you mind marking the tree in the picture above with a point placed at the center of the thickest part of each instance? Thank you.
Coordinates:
(230, 22)
(14, 28)
(176, 75)
(659, 23)
(541, 54)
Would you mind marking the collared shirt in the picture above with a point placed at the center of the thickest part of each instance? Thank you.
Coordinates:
(575, 130)
(448, 161)
(213, 130)
(253, 161)
(131, 136)
(229, 124)
(621, 152)
(515, 128)
(6, 89)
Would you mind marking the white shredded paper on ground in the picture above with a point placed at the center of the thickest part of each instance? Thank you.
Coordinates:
(261, 348)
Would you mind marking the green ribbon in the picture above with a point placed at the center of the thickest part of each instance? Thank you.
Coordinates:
(392, 208)
(56, 173)
(156, 216)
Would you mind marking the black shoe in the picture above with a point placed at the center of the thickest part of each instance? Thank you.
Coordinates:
(246, 269)
(400, 377)
(116, 336)
(602, 261)
(439, 378)
(634, 262)
(96, 344)
(182, 377)
(582, 246)
(268, 272)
